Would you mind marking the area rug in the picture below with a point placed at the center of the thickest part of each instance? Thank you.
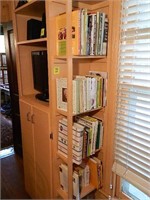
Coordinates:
(6, 132)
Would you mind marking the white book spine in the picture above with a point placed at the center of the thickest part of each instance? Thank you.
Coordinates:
(76, 193)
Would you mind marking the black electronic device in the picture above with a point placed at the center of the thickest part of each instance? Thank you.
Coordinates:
(40, 74)
(33, 29)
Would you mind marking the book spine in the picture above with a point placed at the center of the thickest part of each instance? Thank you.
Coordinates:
(97, 33)
(89, 34)
(76, 193)
(85, 32)
(102, 35)
(85, 143)
(61, 34)
(74, 99)
(82, 31)
(94, 34)
(105, 37)
(76, 26)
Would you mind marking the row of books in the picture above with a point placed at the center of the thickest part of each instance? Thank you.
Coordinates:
(89, 92)
(83, 175)
(77, 140)
(87, 137)
(89, 33)
(81, 178)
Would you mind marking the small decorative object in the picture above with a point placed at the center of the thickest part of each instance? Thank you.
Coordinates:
(43, 26)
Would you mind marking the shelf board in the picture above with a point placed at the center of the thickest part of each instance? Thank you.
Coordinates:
(33, 101)
(62, 193)
(80, 57)
(86, 190)
(88, 2)
(63, 112)
(60, 1)
(65, 159)
(88, 57)
(32, 8)
(34, 42)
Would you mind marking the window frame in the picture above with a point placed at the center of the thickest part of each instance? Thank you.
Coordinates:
(117, 180)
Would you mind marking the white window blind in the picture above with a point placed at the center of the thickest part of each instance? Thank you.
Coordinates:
(132, 132)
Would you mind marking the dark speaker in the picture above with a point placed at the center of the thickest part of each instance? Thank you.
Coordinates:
(33, 29)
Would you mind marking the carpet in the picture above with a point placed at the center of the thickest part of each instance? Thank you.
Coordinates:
(6, 132)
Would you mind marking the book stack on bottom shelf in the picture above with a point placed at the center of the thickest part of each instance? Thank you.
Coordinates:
(87, 136)
(86, 175)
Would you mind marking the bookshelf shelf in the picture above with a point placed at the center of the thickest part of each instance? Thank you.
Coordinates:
(81, 57)
(65, 159)
(88, 57)
(35, 42)
(63, 112)
(62, 193)
(34, 8)
(86, 190)
(60, 1)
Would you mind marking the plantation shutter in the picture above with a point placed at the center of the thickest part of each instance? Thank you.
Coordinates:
(132, 132)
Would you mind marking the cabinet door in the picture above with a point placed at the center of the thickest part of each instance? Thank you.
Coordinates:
(28, 148)
(42, 153)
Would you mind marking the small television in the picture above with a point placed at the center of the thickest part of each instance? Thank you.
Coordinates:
(40, 74)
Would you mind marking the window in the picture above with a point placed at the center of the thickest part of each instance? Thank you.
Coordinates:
(132, 191)
(132, 132)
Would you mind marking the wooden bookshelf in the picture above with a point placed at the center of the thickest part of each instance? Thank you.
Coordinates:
(67, 66)
(71, 65)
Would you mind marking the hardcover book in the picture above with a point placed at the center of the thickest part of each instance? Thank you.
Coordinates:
(61, 32)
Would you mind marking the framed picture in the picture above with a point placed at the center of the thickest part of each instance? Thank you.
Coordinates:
(61, 85)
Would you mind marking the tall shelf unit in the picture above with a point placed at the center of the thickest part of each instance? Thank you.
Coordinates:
(69, 66)
(40, 120)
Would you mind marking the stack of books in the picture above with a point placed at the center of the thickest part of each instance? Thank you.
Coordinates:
(89, 173)
(87, 137)
(89, 92)
(89, 33)
(77, 140)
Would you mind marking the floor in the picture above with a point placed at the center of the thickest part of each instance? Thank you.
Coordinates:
(6, 131)
(12, 178)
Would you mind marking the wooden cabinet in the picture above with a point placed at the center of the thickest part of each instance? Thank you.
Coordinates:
(35, 114)
(36, 150)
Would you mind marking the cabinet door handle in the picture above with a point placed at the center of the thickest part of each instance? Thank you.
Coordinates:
(28, 117)
(32, 119)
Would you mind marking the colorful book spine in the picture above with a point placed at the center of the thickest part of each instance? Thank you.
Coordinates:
(105, 37)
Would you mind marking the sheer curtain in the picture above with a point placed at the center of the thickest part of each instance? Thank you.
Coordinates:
(132, 132)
